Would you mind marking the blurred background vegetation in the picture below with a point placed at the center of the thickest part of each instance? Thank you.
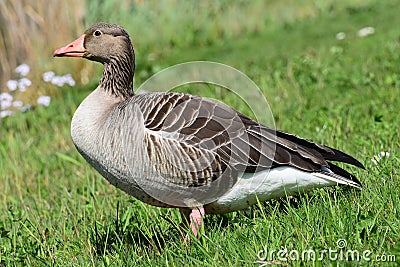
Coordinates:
(31, 30)
(56, 210)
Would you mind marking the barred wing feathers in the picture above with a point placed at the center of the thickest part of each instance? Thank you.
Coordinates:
(197, 139)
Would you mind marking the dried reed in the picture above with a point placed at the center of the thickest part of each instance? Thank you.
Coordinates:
(31, 30)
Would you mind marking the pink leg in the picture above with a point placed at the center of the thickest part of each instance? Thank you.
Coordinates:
(195, 217)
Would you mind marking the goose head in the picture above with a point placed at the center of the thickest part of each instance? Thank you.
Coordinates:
(100, 42)
(110, 45)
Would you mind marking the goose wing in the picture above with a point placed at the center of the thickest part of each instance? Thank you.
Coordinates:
(196, 140)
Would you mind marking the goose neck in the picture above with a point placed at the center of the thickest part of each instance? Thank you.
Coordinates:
(117, 78)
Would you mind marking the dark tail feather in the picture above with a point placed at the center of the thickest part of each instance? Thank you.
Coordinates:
(342, 157)
(327, 152)
(339, 171)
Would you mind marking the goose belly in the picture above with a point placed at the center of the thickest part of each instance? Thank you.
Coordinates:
(266, 185)
(96, 136)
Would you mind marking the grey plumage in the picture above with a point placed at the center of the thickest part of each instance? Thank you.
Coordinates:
(188, 149)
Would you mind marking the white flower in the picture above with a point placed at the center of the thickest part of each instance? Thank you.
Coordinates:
(69, 80)
(56, 80)
(12, 85)
(23, 69)
(6, 96)
(23, 84)
(5, 104)
(26, 108)
(340, 36)
(44, 100)
(47, 76)
(63, 80)
(5, 113)
(17, 104)
(366, 31)
(380, 156)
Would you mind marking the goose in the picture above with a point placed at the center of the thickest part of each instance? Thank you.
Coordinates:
(177, 150)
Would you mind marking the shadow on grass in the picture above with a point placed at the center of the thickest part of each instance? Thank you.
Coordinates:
(113, 236)
(163, 231)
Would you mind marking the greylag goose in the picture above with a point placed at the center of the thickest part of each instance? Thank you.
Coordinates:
(183, 151)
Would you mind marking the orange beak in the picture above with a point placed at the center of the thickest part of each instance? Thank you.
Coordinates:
(74, 49)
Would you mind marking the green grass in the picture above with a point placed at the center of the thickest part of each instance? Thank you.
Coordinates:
(55, 210)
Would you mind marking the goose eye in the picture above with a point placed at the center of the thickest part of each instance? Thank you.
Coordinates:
(97, 33)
